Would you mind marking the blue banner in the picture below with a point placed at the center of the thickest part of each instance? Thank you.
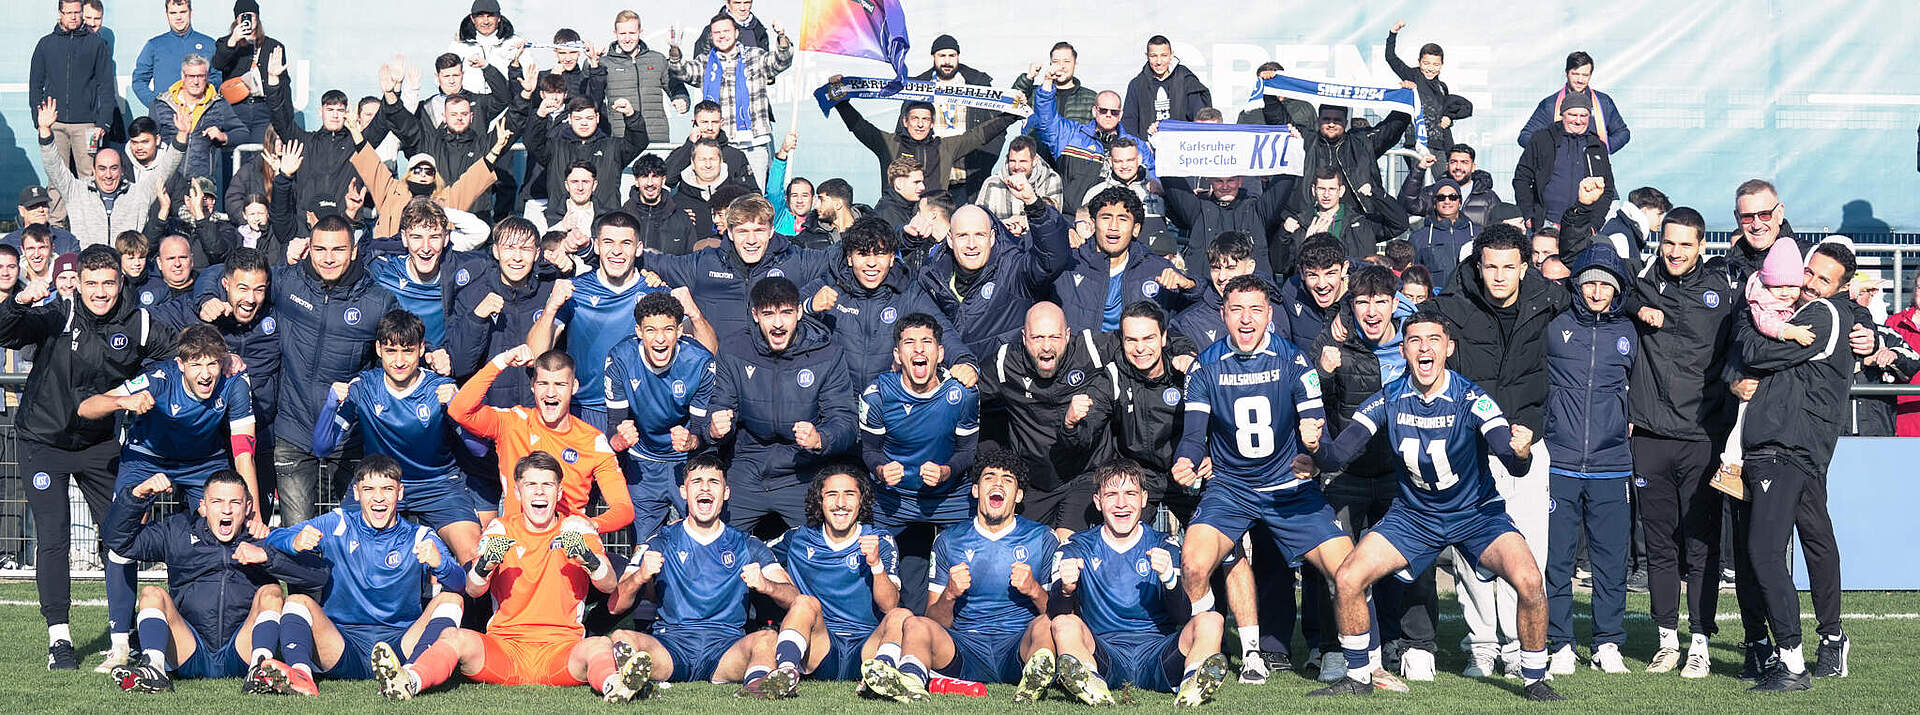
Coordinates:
(969, 96)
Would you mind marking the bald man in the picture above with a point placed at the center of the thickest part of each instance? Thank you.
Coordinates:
(1037, 379)
(985, 279)
(172, 273)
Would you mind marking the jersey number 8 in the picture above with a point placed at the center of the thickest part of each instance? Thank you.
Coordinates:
(1253, 427)
(1443, 476)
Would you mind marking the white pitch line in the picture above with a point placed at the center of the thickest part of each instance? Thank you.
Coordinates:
(1451, 617)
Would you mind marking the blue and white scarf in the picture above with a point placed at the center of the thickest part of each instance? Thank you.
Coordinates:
(1358, 96)
(742, 94)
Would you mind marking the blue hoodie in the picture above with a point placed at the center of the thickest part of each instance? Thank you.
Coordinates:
(1589, 357)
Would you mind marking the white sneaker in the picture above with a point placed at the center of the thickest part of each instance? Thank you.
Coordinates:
(1563, 661)
(1665, 660)
(1483, 664)
(1417, 665)
(1606, 659)
(1698, 664)
(116, 657)
(1510, 660)
(1333, 667)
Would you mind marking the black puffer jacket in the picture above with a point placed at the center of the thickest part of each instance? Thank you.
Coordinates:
(1356, 154)
(1510, 363)
(1358, 377)
(1676, 389)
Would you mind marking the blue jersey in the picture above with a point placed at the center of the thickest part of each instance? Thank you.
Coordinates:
(376, 580)
(596, 317)
(917, 429)
(1443, 442)
(181, 427)
(658, 401)
(425, 299)
(1119, 592)
(413, 428)
(990, 604)
(699, 582)
(1244, 412)
(838, 575)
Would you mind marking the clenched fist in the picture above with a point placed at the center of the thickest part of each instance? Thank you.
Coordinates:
(426, 554)
(1522, 440)
(1310, 430)
(683, 440)
(805, 435)
(959, 579)
(870, 550)
(1068, 571)
(308, 539)
(1077, 410)
(892, 472)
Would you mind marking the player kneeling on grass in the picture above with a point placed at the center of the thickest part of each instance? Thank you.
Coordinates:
(1444, 426)
(196, 402)
(701, 570)
(848, 605)
(377, 561)
(987, 602)
(1117, 604)
(537, 565)
(218, 579)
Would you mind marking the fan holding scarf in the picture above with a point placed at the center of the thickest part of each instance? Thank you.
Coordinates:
(736, 77)
(1607, 122)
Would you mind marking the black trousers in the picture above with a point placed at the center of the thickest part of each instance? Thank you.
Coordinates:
(1359, 502)
(1785, 498)
(1680, 515)
(47, 471)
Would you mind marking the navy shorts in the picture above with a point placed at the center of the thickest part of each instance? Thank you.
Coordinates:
(1420, 536)
(655, 487)
(1148, 660)
(211, 662)
(483, 477)
(356, 655)
(696, 652)
(985, 657)
(842, 661)
(189, 478)
(1298, 518)
(435, 503)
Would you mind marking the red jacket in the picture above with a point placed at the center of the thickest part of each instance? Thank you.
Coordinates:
(1906, 410)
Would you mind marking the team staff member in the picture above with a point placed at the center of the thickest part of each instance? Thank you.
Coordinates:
(1678, 404)
(1034, 378)
(781, 392)
(82, 347)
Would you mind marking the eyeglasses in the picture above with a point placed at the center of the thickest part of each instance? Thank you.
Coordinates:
(202, 75)
(1446, 197)
(422, 170)
(1115, 112)
(1761, 216)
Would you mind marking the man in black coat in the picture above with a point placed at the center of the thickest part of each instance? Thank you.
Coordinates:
(1164, 89)
(964, 176)
(1546, 182)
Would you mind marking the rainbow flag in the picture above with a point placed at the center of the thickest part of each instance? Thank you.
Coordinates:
(873, 29)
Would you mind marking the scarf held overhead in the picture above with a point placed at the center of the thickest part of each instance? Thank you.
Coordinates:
(1382, 99)
(969, 96)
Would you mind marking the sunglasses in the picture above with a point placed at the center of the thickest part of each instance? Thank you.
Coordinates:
(1106, 112)
(422, 170)
(1446, 197)
(1762, 216)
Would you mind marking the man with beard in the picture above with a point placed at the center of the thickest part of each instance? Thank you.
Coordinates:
(985, 280)
(666, 225)
(918, 428)
(721, 277)
(783, 395)
(968, 169)
(545, 426)
(939, 154)
(1446, 232)
(1023, 160)
(82, 347)
(1115, 268)
(658, 384)
(1073, 100)
(987, 605)
(1360, 224)
(583, 140)
(1445, 427)
(1164, 90)
(735, 75)
(181, 439)
(701, 182)
(864, 299)
(703, 570)
(250, 333)
(1032, 379)
(1223, 204)
(847, 574)
(101, 202)
(537, 566)
(219, 579)
(454, 127)
(1080, 147)
(1478, 196)
(401, 412)
(376, 560)
(1120, 608)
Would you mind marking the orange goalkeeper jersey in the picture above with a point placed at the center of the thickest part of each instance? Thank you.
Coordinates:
(517, 432)
(537, 593)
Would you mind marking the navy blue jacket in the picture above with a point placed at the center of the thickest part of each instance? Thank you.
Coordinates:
(212, 591)
(1017, 274)
(1437, 244)
(1299, 319)
(769, 392)
(861, 320)
(257, 343)
(1082, 290)
(472, 339)
(1589, 359)
(720, 282)
(326, 336)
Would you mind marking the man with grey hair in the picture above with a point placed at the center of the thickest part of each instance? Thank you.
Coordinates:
(211, 125)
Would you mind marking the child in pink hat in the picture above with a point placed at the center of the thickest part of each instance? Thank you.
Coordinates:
(1773, 296)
